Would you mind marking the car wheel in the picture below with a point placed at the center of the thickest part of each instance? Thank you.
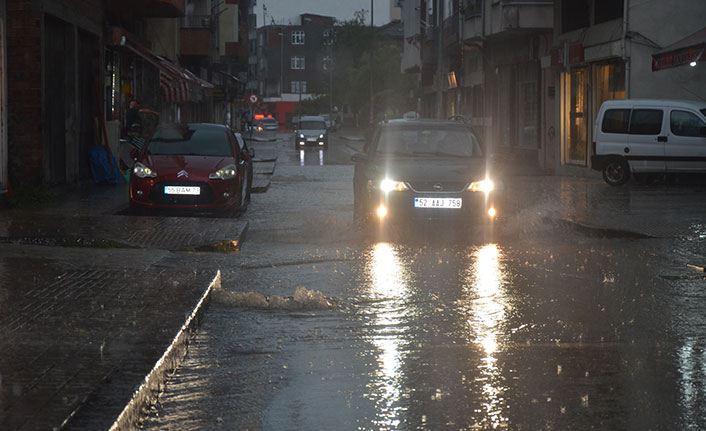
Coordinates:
(616, 172)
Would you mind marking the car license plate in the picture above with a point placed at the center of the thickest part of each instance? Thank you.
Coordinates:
(450, 203)
(310, 139)
(182, 190)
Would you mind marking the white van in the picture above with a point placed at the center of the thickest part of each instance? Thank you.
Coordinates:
(636, 136)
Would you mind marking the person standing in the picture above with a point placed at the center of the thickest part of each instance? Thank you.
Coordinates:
(132, 116)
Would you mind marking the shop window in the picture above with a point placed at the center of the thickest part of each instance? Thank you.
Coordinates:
(576, 123)
(610, 83)
(646, 122)
(616, 121)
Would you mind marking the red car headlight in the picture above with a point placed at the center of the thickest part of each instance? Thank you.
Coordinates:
(143, 171)
(227, 173)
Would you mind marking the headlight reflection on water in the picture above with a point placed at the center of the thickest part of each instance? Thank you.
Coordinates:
(486, 307)
(389, 288)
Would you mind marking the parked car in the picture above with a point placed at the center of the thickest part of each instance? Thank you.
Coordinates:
(421, 170)
(642, 137)
(310, 130)
(267, 124)
(195, 167)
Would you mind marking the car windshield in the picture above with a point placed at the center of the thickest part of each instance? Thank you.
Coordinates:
(428, 142)
(191, 141)
(312, 125)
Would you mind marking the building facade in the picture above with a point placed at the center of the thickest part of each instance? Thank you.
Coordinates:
(603, 50)
(52, 86)
(530, 76)
(293, 63)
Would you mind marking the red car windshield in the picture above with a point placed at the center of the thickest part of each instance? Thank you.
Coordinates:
(189, 142)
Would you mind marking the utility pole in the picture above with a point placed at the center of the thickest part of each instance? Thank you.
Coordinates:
(439, 57)
(372, 47)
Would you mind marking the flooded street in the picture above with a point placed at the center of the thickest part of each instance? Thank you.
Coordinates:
(321, 325)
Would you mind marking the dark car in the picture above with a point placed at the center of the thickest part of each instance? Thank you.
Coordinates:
(311, 130)
(197, 167)
(423, 170)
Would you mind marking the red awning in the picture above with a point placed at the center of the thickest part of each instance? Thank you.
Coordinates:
(177, 84)
(685, 51)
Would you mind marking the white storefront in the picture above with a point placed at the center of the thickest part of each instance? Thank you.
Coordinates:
(612, 59)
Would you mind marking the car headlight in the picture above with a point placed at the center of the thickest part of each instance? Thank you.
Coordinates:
(143, 171)
(301, 136)
(321, 136)
(227, 173)
(387, 185)
(486, 186)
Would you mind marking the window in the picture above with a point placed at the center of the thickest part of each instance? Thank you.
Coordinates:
(473, 8)
(646, 122)
(575, 14)
(326, 64)
(297, 62)
(328, 36)
(683, 123)
(616, 121)
(298, 37)
(298, 87)
(607, 10)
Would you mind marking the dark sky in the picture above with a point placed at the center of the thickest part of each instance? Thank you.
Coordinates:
(284, 11)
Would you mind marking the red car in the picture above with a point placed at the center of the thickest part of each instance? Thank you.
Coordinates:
(195, 167)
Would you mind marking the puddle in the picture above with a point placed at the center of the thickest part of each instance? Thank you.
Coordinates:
(303, 299)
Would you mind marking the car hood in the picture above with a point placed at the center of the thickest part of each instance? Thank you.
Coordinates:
(197, 167)
(451, 170)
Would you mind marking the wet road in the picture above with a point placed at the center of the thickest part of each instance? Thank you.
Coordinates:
(320, 326)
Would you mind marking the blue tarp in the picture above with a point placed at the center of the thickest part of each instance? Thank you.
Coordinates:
(100, 166)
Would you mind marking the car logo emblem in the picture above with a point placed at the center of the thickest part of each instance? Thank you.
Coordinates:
(183, 173)
(438, 187)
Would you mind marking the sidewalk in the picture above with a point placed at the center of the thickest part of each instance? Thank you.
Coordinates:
(91, 301)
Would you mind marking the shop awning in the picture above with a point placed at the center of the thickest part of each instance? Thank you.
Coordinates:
(683, 52)
(177, 84)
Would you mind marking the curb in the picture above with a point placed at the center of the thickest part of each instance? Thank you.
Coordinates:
(130, 416)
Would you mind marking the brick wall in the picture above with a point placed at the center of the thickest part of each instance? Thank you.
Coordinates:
(24, 80)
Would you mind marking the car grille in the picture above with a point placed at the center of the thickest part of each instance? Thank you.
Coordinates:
(438, 186)
(157, 195)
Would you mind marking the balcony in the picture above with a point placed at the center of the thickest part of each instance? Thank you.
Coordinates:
(195, 41)
(147, 8)
(520, 17)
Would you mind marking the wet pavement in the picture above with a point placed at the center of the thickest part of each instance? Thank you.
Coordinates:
(584, 312)
(92, 301)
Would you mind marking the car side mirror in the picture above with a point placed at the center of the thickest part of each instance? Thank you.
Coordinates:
(134, 154)
(360, 158)
(251, 153)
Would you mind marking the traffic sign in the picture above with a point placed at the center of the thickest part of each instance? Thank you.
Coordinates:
(253, 98)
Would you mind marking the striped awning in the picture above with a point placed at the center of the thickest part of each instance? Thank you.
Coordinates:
(175, 84)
